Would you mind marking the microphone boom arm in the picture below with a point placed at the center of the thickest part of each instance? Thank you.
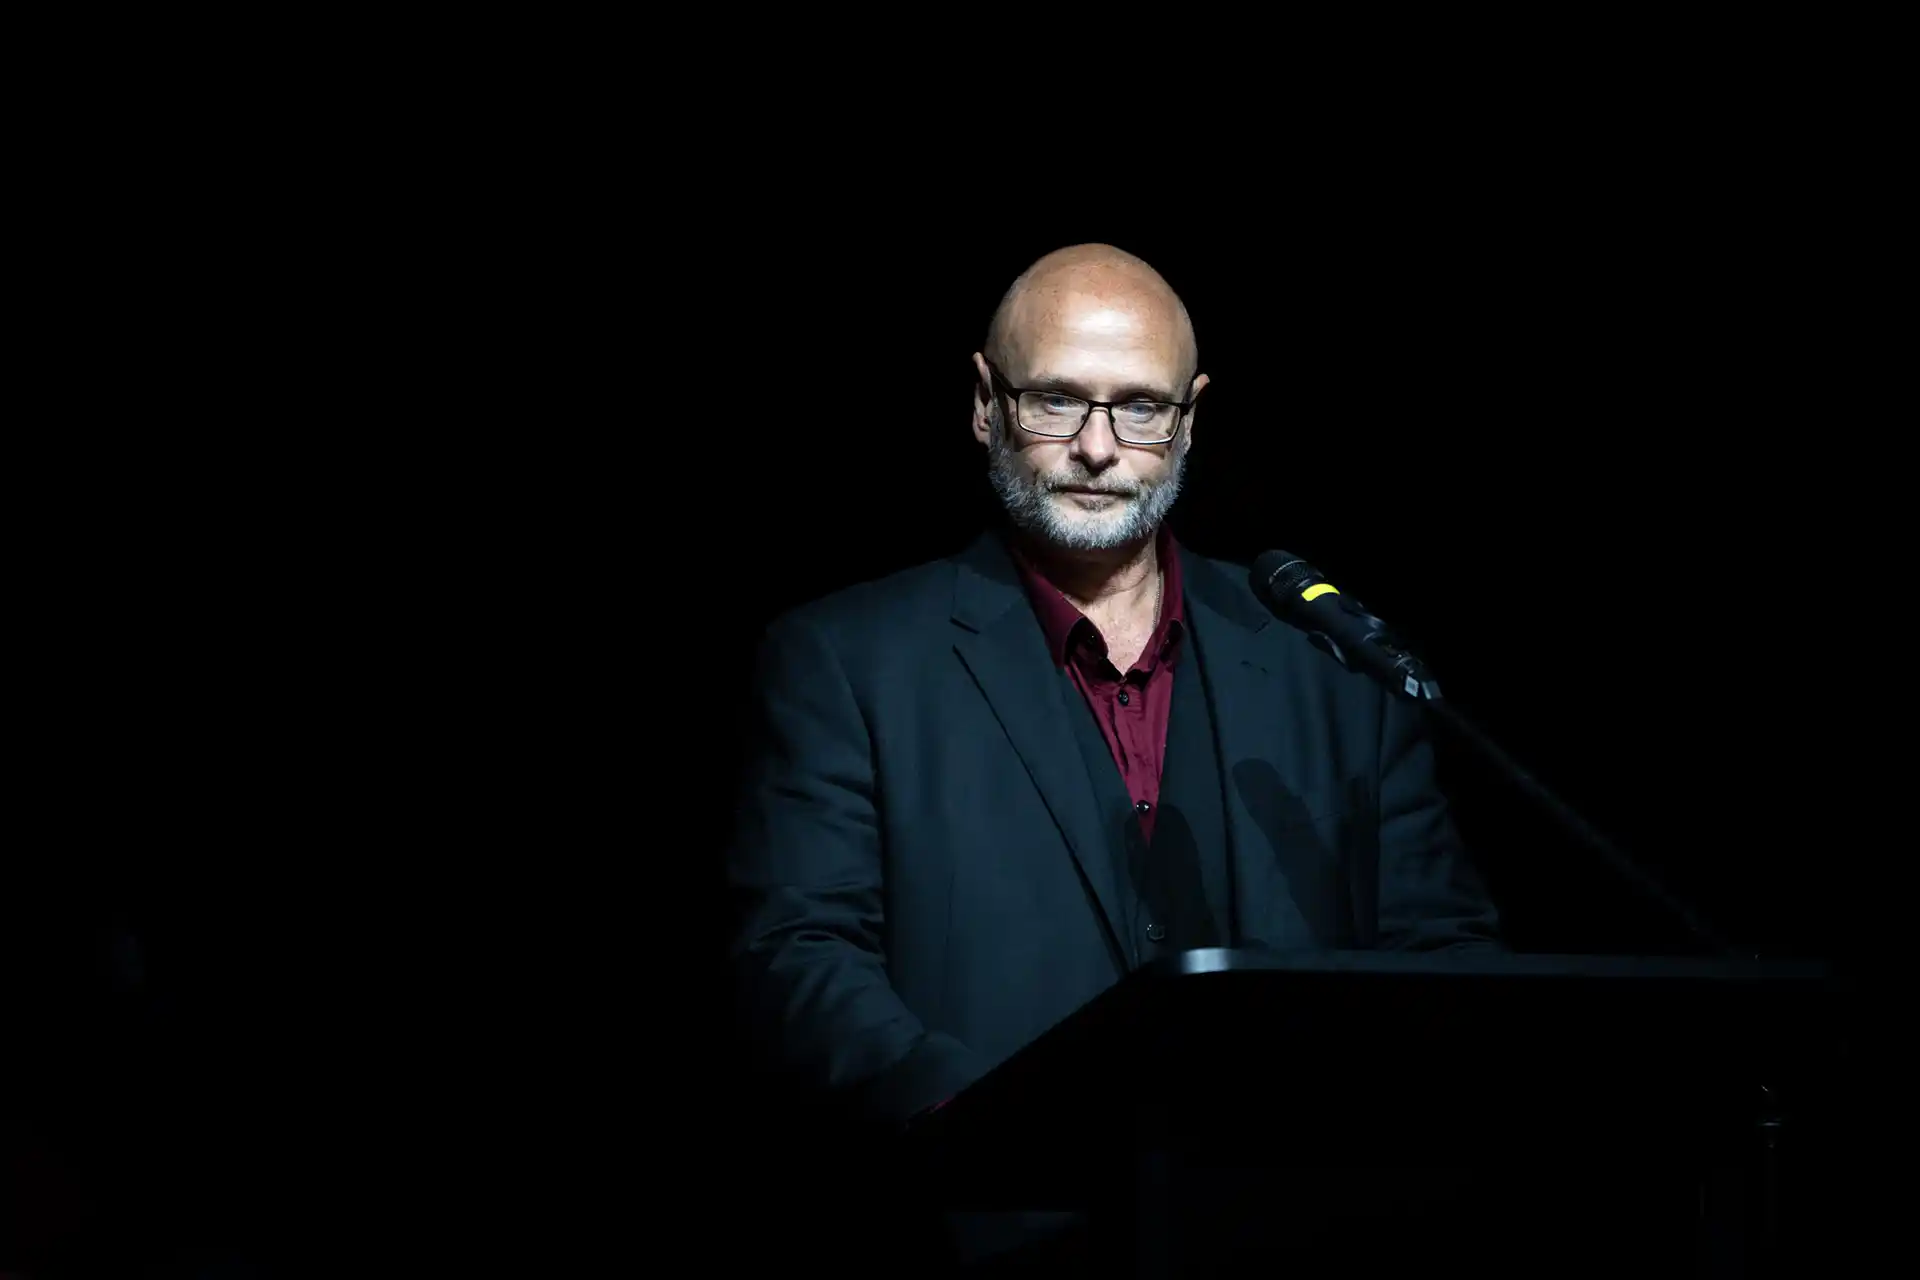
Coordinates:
(1570, 821)
(1299, 595)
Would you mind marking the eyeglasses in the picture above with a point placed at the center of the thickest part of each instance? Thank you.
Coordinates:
(1058, 416)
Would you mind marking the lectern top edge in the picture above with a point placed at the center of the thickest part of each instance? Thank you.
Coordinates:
(1488, 963)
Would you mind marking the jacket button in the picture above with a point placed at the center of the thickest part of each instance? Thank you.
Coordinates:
(1156, 932)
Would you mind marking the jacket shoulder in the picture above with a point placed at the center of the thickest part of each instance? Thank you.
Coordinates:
(873, 611)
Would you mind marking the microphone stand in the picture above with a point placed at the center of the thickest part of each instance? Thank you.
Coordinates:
(1769, 1115)
(1578, 827)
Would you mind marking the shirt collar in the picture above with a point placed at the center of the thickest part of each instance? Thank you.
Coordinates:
(1065, 626)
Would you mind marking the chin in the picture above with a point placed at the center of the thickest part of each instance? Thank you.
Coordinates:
(1080, 532)
(1068, 516)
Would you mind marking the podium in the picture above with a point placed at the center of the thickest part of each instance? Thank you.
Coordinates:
(1574, 1111)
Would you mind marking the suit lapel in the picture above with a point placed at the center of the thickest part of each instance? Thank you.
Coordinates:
(1190, 834)
(1000, 642)
(1240, 693)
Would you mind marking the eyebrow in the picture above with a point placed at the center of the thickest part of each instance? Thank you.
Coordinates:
(1132, 391)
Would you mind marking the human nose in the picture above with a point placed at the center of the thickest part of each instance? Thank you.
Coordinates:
(1096, 447)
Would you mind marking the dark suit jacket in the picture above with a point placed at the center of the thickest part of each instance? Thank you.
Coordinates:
(933, 867)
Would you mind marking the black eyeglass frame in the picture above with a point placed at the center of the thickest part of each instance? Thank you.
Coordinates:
(1181, 408)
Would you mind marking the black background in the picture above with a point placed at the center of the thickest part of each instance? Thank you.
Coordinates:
(385, 886)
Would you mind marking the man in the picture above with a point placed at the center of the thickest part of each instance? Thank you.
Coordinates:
(988, 787)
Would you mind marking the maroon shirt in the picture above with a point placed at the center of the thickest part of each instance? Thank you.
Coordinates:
(1133, 707)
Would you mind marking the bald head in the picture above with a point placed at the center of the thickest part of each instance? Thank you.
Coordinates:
(1085, 398)
(1092, 295)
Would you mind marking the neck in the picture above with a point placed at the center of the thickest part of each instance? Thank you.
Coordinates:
(1109, 577)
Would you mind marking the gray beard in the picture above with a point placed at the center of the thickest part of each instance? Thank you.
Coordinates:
(1033, 506)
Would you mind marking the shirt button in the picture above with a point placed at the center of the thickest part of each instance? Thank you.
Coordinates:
(1141, 806)
(1156, 932)
(1123, 698)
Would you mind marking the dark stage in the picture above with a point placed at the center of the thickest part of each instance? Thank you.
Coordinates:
(379, 922)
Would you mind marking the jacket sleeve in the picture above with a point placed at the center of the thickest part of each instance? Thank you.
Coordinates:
(1430, 896)
(806, 874)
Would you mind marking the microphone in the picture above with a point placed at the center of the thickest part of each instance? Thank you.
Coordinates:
(1299, 595)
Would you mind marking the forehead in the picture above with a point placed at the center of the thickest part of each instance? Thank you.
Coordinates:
(1096, 340)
